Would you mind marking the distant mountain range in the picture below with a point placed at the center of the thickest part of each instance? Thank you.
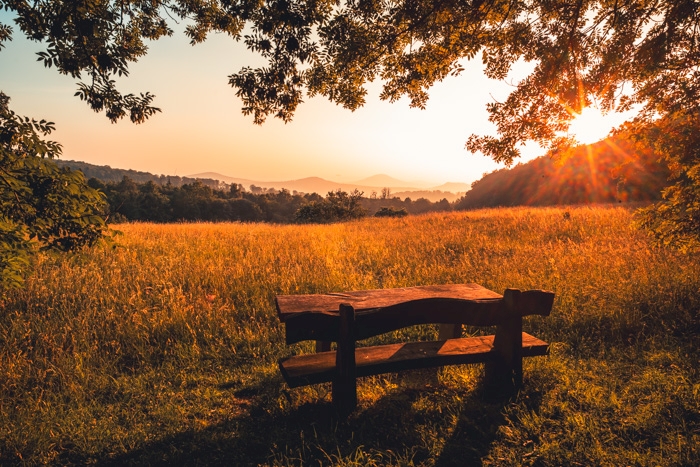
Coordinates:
(374, 184)
(400, 188)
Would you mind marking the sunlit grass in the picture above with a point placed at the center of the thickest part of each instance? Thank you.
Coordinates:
(162, 348)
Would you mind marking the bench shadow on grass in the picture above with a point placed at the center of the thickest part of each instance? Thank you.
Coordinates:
(389, 430)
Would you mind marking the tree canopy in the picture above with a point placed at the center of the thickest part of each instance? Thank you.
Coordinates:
(41, 205)
(617, 53)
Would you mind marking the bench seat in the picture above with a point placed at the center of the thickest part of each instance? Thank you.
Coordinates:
(302, 370)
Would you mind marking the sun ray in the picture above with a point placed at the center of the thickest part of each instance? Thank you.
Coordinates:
(591, 125)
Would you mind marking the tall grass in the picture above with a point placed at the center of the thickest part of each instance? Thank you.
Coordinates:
(162, 348)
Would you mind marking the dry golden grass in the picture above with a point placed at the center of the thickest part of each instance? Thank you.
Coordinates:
(162, 348)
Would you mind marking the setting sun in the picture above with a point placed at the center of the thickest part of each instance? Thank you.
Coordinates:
(592, 126)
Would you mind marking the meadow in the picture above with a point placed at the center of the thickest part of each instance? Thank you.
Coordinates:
(162, 346)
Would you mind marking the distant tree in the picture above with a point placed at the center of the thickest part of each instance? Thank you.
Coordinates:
(337, 206)
(345, 206)
(129, 201)
(153, 204)
(236, 190)
(391, 212)
(443, 205)
(239, 209)
(386, 193)
(123, 198)
(610, 171)
(96, 183)
(42, 206)
(194, 202)
(421, 205)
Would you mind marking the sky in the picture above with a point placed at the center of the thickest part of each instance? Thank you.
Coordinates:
(201, 127)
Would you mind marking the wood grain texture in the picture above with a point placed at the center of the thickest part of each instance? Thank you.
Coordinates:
(378, 298)
(533, 302)
(302, 370)
(324, 326)
(468, 304)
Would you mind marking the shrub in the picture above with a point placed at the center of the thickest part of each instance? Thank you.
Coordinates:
(391, 212)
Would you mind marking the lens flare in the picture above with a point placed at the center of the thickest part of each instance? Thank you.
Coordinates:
(592, 126)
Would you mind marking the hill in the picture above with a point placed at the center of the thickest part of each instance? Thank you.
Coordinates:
(610, 171)
(106, 174)
(453, 187)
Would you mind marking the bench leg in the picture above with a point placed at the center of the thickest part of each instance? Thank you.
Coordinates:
(505, 374)
(344, 389)
(323, 346)
(449, 331)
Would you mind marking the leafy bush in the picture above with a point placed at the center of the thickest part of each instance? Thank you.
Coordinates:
(41, 205)
(391, 212)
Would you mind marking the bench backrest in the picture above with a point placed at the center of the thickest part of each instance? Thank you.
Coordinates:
(307, 317)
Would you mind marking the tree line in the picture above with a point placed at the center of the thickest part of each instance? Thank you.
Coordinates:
(128, 200)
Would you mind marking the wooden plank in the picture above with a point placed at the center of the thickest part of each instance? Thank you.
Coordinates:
(323, 326)
(367, 299)
(533, 302)
(313, 326)
(302, 370)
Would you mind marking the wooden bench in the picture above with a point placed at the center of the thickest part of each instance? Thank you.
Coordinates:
(347, 317)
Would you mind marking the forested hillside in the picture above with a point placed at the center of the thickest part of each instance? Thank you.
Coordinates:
(106, 173)
(610, 171)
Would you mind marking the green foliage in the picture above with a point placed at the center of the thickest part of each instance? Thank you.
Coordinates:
(41, 205)
(676, 219)
(336, 206)
(391, 212)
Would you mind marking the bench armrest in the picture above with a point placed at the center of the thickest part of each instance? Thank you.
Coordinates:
(530, 302)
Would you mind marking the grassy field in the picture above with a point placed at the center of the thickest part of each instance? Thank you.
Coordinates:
(162, 348)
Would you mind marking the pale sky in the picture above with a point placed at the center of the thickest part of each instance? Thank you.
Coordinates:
(201, 127)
